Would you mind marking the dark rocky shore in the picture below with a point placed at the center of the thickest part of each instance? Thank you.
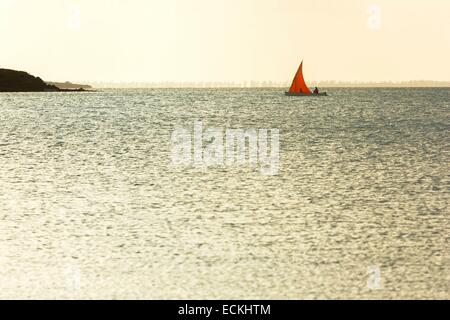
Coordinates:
(20, 81)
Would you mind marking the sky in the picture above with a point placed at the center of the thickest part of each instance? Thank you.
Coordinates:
(226, 40)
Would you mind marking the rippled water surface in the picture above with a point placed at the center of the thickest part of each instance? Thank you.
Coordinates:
(92, 207)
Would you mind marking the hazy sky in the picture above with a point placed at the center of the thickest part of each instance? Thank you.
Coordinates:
(226, 40)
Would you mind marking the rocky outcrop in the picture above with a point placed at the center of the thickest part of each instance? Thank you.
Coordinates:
(20, 81)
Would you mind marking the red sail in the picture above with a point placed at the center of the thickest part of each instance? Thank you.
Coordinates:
(299, 85)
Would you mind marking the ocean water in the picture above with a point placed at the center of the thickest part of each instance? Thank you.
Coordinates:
(91, 205)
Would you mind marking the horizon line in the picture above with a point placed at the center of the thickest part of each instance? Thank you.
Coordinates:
(263, 84)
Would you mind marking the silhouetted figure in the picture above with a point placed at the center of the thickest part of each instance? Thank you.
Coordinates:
(316, 90)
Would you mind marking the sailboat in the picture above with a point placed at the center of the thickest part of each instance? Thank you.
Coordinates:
(299, 87)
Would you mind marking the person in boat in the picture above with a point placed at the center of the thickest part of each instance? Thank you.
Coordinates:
(316, 91)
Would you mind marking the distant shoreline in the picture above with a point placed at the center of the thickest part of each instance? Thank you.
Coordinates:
(21, 81)
(267, 87)
(266, 84)
(69, 85)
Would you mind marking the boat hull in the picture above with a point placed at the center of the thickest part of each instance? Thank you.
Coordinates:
(321, 94)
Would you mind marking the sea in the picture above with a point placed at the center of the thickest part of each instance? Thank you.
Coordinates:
(92, 205)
